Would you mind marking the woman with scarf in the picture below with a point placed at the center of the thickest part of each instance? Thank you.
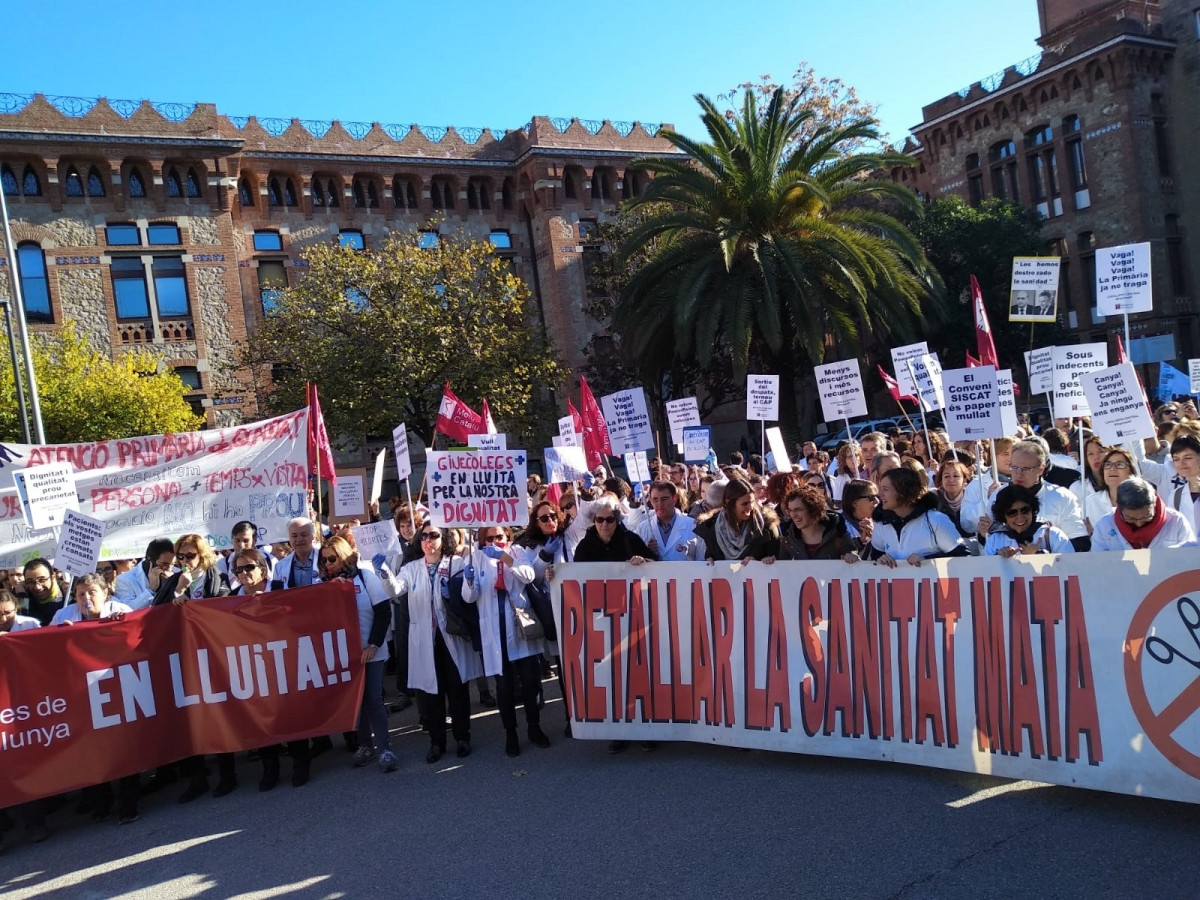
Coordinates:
(952, 480)
(740, 530)
(913, 530)
(812, 530)
(1019, 531)
(1141, 521)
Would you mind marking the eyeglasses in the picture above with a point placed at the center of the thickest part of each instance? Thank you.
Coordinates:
(1018, 511)
(548, 517)
(106, 570)
(431, 535)
(1132, 518)
(1021, 470)
(1116, 464)
(245, 570)
(605, 520)
(40, 582)
(491, 539)
(187, 555)
(330, 559)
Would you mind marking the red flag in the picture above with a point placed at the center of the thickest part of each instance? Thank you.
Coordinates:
(972, 362)
(983, 328)
(455, 419)
(894, 387)
(489, 424)
(595, 429)
(576, 418)
(320, 453)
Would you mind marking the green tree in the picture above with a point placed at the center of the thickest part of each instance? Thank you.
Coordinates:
(380, 331)
(961, 240)
(86, 396)
(774, 239)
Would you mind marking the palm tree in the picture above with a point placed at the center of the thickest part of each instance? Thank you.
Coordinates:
(771, 233)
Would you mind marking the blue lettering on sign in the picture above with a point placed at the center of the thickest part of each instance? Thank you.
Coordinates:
(7, 454)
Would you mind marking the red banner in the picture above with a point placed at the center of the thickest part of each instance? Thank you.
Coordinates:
(91, 702)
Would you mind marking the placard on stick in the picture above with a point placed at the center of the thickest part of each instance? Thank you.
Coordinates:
(474, 489)
(1123, 283)
(400, 445)
(696, 443)
(78, 544)
(762, 398)
(1069, 363)
(778, 449)
(900, 358)
(628, 421)
(681, 414)
(1119, 411)
(840, 387)
(972, 409)
(1040, 366)
(45, 493)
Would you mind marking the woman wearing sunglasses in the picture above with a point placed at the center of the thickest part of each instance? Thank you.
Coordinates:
(339, 562)
(1018, 531)
(198, 578)
(440, 664)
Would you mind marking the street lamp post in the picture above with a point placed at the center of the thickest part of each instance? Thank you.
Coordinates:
(18, 300)
(18, 382)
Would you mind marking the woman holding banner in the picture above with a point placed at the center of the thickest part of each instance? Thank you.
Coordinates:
(1020, 532)
(913, 530)
(812, 530)
(740, 529)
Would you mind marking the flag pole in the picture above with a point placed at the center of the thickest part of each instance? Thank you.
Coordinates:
(429, 446)
(904, 413)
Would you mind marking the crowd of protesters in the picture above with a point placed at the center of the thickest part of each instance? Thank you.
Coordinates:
(443, 611)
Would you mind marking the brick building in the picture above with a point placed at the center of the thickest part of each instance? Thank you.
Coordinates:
(170, 226)
(1095, 133)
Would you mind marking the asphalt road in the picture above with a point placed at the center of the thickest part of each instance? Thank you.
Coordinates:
(572, 821)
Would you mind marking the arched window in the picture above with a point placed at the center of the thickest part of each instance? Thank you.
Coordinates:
(74, 185)
(318, 195)
(359, 200)
(174, 185)
(95, 184)
(193, 184)
(570, 191)
(372, 195)
(274, 194)
(35, 289)
(333, 193)
(137, 187)
(472, 195)
(31, 186)
(506, 194)
(441, 194)
(289, 193)
(9, 181)
(410, 195)
(245, 195)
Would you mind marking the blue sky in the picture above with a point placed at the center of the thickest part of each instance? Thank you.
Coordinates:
(479, 64)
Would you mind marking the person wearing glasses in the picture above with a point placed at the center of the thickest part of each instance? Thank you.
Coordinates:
(1141, 521)
(1019, 531)
(11, 620)
(497, 584)
(1116, 465)
(41, 587)
(440, 664)
(860, 506)
(339, 562)
(1058, 506)
(137, 587)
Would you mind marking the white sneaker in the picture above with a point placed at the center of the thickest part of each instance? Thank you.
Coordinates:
(362, 756)
(388, 761)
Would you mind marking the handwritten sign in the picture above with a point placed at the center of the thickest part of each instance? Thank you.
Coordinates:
(1123, 283)
(78, 544)
(681, 414)
(637, 467)
(1069, 363)
(474, 489)
(400, 445)
(1119, 410)
(564, 464)
(376, 538)
(841, 389)
(696, 442)
(762, 398)
(628, 421)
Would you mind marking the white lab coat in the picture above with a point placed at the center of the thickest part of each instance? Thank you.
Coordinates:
(1059, 542)
(1175, 533)
(424, 605)
(1059, 507)
(133, 587)
(483, 593)
(681, 545)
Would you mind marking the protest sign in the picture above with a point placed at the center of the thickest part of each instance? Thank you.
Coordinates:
(972, 410)
(1040, 366)
(377, 478)
(628, 421)
(375, 538)
(762, 398)
(1069, 363)
(681, 414)
(566, 425)
(79, 542)
(1171, 382)
(101, 700)
(927, 370)
(1034, 295)
(1123, 283)
(474, 489)
(487, 441)
(349, 498)
(1194, 375)
(900, 358)
(45, 493)
(637, 467)
(778, 449)
(564, 464)
(1025, 668)
(400, 445)
(1008, 402)
(1119, 410)
(840, 387)
(145, 487)
(697, 440)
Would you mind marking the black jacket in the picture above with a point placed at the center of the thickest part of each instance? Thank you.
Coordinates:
(835, 540)
(623, 546)
(759, 545)
(213, 584)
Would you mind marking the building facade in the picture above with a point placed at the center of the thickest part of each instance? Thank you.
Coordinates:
(1095, 133)
(170, 227)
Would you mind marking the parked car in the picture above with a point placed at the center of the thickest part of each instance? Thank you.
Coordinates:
(857, 430)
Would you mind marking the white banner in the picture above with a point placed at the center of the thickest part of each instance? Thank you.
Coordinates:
(973, 404)
(477, 488)
(900, 358)
(1069, 363)
(564, 464)
(680, 415)
(628, 421)
(1040, 366)
(1008, 401)
(1123, 282)
(1023, 668)
(840, 387)
(1034, 296)
(1119, 410)
(762, 398)
(400, 445)
(927, 371)
(167, 485)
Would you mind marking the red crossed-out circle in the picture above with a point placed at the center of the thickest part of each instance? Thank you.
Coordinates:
(1160, 726)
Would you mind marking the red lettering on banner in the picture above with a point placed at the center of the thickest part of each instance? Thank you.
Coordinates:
(756, 697)
(287, 427)
(864, 643)
(660, 691)
(837, 695)
(638, 680)
(115, 499)
(158, 450)
(812, 703)
(949, 610)
(1047, 612)
(615, 607)
(1023, 688)
(571, 638)
(722, 634)
(991, 681)
(681, 699)
(902, 609)
(779, 695)
(885, 658)
(1083, 717)
(594, 700)
(83, 457)
(929, 697)
(702, 661)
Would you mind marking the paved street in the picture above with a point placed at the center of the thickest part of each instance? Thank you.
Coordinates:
(684, 821)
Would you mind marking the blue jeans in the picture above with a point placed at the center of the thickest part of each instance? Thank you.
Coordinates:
(372, 716)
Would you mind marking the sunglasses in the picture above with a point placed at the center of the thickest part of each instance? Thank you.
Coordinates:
(431, 535)
(244, 570)
(548, 517)
(605, 520)
(329, 559)
(1018, 511)
(567, 507)
(187, 555)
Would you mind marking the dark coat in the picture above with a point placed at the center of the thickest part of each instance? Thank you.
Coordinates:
(835, 540)
(213, 584)
(623, 546)
(759, 545)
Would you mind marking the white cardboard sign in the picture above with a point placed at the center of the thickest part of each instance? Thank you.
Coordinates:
(628, 421)
(841, 389)
(762, 398)
(1119, 410)
(477, 488)
(637, 467)
(1123, 283)
(1008, 401)
(348, 496)
(46, 493)
(1194, 375)
(487, 441)
(697, 440)
(78, 544)
(972, 410)
(1070, 362)
(778, 449)
(375, 538)
(900, 358)
(564, 464)
(681, 414)
(377, 478)
(1040, 366)
(927, 372)
(400, 445)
